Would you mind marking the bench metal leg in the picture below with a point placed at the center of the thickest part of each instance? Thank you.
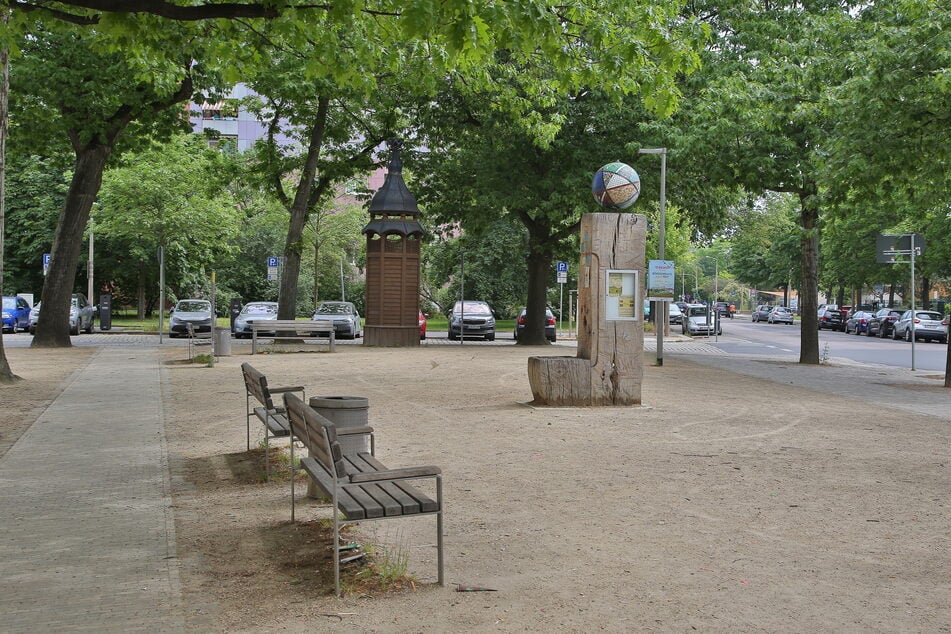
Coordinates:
(247, 407)
(439, 555)
(293, 473)
(336, 543)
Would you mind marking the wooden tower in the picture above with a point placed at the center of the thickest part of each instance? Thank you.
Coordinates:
(393, 240)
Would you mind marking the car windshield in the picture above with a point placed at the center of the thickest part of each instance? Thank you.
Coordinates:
(259, 309)
(192, 307)
(780, 309)
(334, 309)
(472, 308)
(698, 311)
(9, 302)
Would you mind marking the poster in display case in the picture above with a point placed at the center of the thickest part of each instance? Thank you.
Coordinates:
(622, 296)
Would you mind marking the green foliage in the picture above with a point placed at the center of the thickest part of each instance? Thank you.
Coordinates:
(35, 191)
(170, 196)
(765, 249)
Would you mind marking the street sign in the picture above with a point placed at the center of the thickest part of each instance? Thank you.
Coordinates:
(889, 248)
(563, 267)
(661, 280)
(562, 277)
(46, 263)
(272, 261)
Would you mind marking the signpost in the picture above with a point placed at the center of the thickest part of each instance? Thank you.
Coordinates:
(562, 278)
(46, 263)
(887, 247)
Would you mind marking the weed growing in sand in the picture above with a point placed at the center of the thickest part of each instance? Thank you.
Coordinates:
(204, 359)
(824, 357)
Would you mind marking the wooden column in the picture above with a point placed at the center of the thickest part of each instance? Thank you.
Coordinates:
(608, 369)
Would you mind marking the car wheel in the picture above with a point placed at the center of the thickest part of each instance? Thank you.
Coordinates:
(422, 337)
(89, 328)
(895, 334)
(75, 330)
(490, 337)
(908, 334)
(452, 336)
(32, 330)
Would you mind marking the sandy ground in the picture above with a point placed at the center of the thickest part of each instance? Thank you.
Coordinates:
(729, 504)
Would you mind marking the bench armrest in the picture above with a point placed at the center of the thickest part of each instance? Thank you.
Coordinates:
(281, 390)
(395, 474)
(350, 431)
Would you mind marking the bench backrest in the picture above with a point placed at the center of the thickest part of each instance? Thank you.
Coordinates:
(256, 384)
(318, 433)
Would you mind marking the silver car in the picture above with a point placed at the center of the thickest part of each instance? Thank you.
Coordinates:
(471, 319)
(196, 312)
(254, 311)
(344, 315)
(780, 315)
(698, 320)
(82, 314)
(928, 325)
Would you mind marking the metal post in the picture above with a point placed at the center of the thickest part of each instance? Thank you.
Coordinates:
(343, 296)
(716, 294)
(161, 311)
(661, 314)
(913, 302)
(561, 304)
(462, 300)
(214, 325)
(91, 286)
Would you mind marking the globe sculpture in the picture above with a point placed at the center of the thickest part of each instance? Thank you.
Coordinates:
(616, 186)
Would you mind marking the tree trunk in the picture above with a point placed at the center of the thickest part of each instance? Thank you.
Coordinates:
(6, 374)
(140, 303)
(316, 281)
(925, 291)
(52, 328)
(287, 302)
(539, 268)
(809, 290)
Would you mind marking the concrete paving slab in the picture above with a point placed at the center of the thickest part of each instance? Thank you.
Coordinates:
(87, 539)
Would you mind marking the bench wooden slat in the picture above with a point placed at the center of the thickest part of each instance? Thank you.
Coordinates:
(383, 493)
(276, 421)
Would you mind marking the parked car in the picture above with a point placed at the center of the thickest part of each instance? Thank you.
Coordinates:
(82, 314)
(196, 312)
(780, 315)
(471, 319)
(761, 312)
(700, 321)
(675, 315)
(882, 323)
(345, 317)
(928, 325)
(830, 317)
(857, 322)
(422, 325)
(726, 309)
(550, 324)
(251, 312)
(16, 314)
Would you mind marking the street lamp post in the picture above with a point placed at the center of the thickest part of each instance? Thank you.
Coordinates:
(660, 322)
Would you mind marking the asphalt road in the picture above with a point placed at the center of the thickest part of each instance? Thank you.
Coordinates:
(740, 336)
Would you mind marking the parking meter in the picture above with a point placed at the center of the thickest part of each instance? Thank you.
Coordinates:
(235, 310)
(105, 311)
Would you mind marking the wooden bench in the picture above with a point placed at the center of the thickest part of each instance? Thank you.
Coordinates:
(273, 417)
(292, 329)
(360, 487)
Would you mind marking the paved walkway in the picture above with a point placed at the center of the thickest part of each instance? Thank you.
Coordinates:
(87, 537)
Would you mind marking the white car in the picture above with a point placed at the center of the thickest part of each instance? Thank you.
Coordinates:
(928, 324)
(254, 311)
(196, 312)
(344, 315)
(699, 320)
(675, 315)
(82, 314)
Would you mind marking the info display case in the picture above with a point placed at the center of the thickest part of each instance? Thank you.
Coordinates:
(622, 299)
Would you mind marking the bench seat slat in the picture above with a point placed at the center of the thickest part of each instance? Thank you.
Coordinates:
(350, 508)
(393, 500)
(276, 421)
(411, 499)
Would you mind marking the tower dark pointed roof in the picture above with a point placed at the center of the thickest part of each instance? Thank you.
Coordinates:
(394, 199)
(394, 196)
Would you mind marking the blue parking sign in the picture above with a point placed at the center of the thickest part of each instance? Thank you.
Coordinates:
(272, 260)
(562, 267)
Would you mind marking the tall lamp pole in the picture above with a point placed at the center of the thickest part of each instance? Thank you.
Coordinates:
(661, 315)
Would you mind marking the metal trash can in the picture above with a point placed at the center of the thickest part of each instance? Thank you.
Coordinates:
(222, 341)
(346, 411)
